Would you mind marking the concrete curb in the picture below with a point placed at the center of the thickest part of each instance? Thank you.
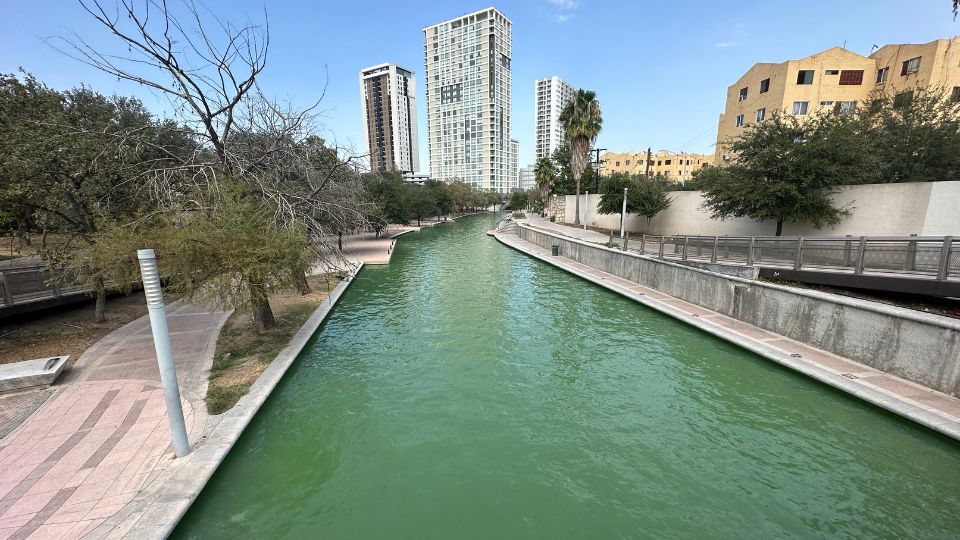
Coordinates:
(159, 508)
(855, 387)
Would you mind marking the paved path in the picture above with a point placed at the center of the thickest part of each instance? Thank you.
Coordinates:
(586, 235)
(102, 436)
(933, 409)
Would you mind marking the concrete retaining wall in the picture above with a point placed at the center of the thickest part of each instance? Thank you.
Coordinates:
(916, 346)
(924, 208)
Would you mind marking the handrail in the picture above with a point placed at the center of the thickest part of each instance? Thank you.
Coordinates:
(934, 256)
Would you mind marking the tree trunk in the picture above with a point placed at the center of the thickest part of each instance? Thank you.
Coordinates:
(263, 319)
(100, 309)
(303, 286)
(340, 241)
(779, 227)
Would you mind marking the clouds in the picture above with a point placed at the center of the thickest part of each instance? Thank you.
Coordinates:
(726, 44)
(564, 9)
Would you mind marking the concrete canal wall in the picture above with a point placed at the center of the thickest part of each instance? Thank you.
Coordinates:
(919, 347)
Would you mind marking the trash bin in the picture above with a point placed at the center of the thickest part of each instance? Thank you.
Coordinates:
(555, 250)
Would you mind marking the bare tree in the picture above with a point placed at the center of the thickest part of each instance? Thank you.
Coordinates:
(253, 150)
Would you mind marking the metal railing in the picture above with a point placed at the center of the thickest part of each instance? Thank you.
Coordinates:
(32, 283)
(936, 257)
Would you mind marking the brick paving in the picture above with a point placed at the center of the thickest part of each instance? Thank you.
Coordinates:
(95, 441)
(15, 408)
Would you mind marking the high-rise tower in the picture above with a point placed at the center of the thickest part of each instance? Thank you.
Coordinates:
(388, 100)
(468, 83)
(552, 95)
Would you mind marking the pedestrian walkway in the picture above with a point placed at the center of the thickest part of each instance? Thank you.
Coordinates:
(102, 435)
(586, 235)
(923, 405)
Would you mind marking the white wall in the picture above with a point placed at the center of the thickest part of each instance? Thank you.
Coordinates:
(924, 208)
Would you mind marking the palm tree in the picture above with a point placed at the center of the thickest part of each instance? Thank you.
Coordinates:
(581, 122)
(545, 173)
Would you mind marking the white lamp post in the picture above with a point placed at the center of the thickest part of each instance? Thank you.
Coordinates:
(161, 342)
(623, 214)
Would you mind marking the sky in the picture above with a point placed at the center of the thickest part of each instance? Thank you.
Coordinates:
(659, 70)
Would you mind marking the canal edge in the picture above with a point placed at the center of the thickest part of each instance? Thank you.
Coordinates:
(883, 399)
(163, 504)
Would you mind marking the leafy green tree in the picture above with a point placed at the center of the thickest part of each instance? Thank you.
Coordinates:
(388, 193)
(461, 195)
(518, 200)
(545, 174)
(442, 197)
(421, 200)
(582, 121)
(645, 196)
(786, 168)
(914, 134)
(564, 183)
(233, 255)
(75, 160)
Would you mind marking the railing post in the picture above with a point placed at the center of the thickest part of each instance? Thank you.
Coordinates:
(643, 243)
(625, 240)
(847, 252)
(861, 251)
(7, 293)
(750, 252)
(713, 255)
(686, 242)
(660, 254)
(944, 271)
(912, 254)
(699, 245)
(798, 261)
(610, 242)
(726, 247)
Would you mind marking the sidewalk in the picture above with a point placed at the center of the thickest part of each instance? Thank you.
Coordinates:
(102, 436)
(586, 235)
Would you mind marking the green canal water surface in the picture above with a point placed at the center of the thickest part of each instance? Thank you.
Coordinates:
(469, 391)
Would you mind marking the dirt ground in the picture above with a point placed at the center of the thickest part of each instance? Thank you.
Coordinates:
(242, 354)
(64, 329)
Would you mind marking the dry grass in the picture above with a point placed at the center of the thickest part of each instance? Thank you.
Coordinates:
(64, 330)
(242, 354)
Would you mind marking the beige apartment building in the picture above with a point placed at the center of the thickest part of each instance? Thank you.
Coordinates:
(837, 80)
(675, 166)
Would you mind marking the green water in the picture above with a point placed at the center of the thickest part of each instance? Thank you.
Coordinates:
(468, 391)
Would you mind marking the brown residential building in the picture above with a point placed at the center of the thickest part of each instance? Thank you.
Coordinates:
(388, 100)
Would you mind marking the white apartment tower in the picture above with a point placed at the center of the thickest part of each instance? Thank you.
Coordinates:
(468, 83)
(552, 94)
(513, 171)
(389, 104)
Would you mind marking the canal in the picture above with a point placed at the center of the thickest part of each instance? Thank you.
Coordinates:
(469, 391)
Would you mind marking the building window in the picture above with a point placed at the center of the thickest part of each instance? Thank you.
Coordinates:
(764, 85)
(826, 104)
(903, 99)
(805, 76)
(627, 163)
(851, 77)
(666, 162)
(761, 114)
(955, 95)
(833, 71)
(743, 94)
(882, 75)
(910, 66)
(846, 108)
(800, 108)
(739, 122)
